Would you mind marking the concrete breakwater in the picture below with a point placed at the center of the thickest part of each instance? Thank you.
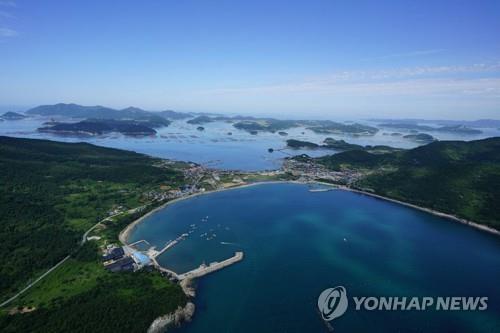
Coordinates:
(185, 279)
(215, 266)
(252, 224)
(202, 269)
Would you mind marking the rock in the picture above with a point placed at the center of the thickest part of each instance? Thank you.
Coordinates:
(163, 323)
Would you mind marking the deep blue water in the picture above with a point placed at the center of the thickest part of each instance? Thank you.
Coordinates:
(298, 243)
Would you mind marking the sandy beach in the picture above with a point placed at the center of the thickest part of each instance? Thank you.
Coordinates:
(125, 233)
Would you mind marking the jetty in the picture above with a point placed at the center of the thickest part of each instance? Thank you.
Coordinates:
(142, 241)
(214, 266)
(167, 246)
(185, 279)
(321, 189)
(202, 270)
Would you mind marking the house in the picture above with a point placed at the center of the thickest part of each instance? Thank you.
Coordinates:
(126, 264)
(113, 254)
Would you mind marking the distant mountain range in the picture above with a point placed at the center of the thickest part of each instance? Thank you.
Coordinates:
(102, 112)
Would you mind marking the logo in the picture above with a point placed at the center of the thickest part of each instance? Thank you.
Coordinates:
(332, 303)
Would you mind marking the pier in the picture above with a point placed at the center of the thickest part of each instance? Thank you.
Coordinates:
(200, 271)
(321, 189)
(184, 278)
(140, 242)
(215, 266)
(168, 246)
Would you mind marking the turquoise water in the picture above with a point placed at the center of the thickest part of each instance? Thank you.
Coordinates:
(298, 243)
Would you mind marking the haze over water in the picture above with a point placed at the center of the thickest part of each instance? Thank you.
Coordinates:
(298, 243)
(213, 147)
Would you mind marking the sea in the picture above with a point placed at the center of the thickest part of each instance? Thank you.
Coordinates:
(215, 147)
(298, 242)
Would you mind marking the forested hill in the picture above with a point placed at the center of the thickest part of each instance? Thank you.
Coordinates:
(51, 192)
(456, 177)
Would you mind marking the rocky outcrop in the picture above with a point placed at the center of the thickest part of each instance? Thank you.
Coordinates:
(173, 319)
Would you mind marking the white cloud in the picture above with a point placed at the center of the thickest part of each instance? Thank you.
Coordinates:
(6, 32)
(423, 81)
(409, 72)
(486, 87)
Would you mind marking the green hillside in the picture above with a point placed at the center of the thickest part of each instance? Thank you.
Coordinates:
(50, 194)
(461, 178)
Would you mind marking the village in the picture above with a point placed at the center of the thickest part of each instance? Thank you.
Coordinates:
(305, 169)
(199, 179)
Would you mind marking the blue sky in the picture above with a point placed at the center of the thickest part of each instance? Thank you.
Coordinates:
(432, 59)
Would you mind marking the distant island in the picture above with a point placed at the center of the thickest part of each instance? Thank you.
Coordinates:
(253, 125)
(299, 144)
(102, 112)
(174, 115)
(104, 126)
(331, 127)
(420, 137)
(480, 123)
(341, 145)
(12, 116)
(458, 129)
(265, 125)
(200, 120)
(321, 127)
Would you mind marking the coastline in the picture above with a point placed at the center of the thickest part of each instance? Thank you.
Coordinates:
(125, 233)
(163, 323)
(452, 217)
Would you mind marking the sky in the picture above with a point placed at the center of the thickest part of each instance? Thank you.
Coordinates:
(316, 59)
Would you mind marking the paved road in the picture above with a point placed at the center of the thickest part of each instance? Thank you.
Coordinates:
(34, 282)
(84, 239)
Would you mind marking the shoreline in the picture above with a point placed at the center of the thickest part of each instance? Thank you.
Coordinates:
(125, 233)
(447, 216)
(164, 322)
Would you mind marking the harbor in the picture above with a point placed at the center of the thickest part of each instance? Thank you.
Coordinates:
(152, 254)
(274, 264)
